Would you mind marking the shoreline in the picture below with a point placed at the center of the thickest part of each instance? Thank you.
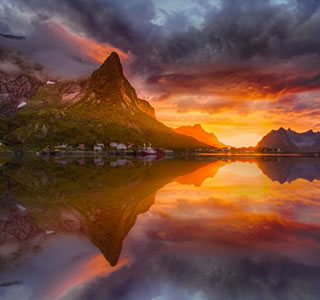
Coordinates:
(175, 153)
(315, 155)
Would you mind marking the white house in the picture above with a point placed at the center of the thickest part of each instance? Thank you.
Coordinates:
(122, 147)
(113, 145)
(50, 82)
(62, 146)
(81, 147)
(97, 147)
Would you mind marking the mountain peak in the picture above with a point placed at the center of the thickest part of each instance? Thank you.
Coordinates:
(291, 141)
(113, 58)
(114, 55)
(196, 131)
(198, 126)
(281, 129)
(111, 66)
(310, 132)
(109, 84)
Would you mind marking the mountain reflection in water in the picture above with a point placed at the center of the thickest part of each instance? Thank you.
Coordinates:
(207, 228)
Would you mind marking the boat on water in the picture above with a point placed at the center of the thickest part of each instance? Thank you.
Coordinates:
(149, 151)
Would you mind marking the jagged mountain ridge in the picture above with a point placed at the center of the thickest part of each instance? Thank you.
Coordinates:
(200, 134)
(291, 141)
(103, 108)
(19, 80)
(109, 86)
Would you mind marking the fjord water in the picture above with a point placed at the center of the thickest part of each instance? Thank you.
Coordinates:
(202, 228)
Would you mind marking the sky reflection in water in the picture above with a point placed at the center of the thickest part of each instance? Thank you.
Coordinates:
(243, 229)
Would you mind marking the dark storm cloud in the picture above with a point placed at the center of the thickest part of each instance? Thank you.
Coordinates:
(305, 104)
(277, 42)
(253, 44)
(123, 24)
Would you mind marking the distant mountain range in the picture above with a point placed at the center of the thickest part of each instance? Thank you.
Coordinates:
(282, 140)
(200, 134)
(37, 112)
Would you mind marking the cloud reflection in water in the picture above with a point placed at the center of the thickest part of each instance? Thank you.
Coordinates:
(233, 235)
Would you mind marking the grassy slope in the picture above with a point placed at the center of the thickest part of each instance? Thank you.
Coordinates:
(50, 123)
(107, 109)
(3, 133)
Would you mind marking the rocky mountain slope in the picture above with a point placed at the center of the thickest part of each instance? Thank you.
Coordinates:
(101, 109)
(200, 134)
(19, 80)
(291, 141)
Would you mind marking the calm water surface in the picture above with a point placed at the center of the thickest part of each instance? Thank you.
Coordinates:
(209, 228)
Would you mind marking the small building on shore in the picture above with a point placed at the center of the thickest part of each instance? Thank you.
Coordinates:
(118, 146)
(113, 145)
(81, 147)
(122, 147)
(98, 147)
(61, 147)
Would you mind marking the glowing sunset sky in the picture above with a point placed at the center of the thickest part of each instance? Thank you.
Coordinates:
(238, 67)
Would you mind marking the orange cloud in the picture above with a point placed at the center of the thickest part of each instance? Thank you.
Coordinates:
(90, 48)
(240, 103)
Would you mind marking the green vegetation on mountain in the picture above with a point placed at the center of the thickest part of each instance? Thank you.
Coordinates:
(3, 127)
(102, 109)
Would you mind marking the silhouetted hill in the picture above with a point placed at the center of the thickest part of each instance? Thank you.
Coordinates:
(200, 134)
(282, 140)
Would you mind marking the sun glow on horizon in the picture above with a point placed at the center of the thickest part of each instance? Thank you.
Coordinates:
(241, 140)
